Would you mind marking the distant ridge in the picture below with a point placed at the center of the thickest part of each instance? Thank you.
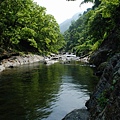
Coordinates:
(65, 25)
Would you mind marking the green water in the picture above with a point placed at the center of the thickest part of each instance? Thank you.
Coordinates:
(40, 92)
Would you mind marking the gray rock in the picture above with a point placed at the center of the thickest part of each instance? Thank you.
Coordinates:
(2, 68)
(19, 60)
(104, 103)
(77, 114)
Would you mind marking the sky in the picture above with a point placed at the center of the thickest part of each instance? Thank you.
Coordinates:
(63, 9)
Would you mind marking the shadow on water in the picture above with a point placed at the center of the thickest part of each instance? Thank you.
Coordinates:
(40, 92)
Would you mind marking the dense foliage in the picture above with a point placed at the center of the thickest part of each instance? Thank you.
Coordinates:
(25, 26)
(93, 27)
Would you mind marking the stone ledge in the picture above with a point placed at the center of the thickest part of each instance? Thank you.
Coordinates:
(19, 60)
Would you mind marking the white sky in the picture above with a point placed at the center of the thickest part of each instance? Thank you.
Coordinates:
(63, 9)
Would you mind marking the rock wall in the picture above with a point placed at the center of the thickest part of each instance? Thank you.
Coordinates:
(19, 60)
(104, 103)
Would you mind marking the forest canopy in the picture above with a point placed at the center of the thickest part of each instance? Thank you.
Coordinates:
(25, 26)
(87, 33)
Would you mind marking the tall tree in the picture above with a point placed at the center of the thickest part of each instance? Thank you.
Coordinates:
(94, 26)
(25, 26)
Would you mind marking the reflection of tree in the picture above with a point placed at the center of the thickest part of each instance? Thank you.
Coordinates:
(31, 92)
(82, 75)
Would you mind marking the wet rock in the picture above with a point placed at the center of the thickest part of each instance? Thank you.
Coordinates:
(77, 114)
(99, 57)
(104, 103)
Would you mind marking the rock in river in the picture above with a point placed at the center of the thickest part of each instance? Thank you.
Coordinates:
(77, 114)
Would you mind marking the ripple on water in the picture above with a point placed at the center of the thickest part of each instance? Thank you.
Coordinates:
(40, 92)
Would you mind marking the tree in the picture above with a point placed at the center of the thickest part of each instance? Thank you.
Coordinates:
(25, 26)
(94, 26)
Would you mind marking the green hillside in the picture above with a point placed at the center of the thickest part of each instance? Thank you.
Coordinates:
(25, 27)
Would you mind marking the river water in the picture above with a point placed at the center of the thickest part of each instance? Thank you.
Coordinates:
(40, 92)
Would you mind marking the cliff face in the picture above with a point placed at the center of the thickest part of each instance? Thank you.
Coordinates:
(108, 48)
(104, 103)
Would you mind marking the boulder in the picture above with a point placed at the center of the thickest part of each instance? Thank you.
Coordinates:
(99, 57)
(2, 68)
(77, 114)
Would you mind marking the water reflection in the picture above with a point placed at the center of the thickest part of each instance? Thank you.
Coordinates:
(40, 92)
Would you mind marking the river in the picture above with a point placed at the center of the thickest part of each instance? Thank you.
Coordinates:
(40, 92)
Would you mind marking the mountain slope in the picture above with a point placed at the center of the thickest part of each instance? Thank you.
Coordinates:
(65, 25)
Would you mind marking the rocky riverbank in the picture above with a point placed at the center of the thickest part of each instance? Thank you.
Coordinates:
(12, 60)
(19, 60)
(104, 102)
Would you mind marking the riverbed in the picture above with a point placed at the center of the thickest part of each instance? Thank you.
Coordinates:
(40, 92)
